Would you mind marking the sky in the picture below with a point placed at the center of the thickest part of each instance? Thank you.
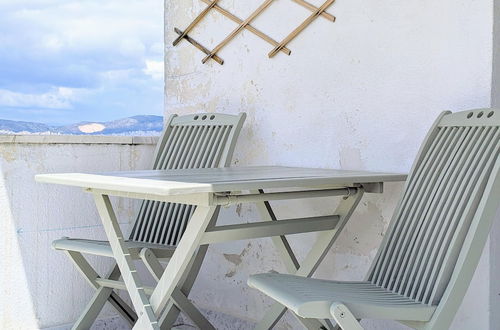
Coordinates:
(66, 61)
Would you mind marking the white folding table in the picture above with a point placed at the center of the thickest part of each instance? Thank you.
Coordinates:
(210, 188)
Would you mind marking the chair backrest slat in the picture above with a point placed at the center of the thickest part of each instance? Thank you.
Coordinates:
(442, 194)
(192, 141)
(441, 205)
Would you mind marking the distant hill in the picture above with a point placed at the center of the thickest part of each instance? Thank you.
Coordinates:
(136, 125)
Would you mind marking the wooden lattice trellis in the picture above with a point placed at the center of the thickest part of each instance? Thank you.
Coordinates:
(245, 24)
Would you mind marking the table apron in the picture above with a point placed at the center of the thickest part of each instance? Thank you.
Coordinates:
(226, 199)
(203, 199)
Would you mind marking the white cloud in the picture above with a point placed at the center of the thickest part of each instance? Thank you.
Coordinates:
(157, 49)
(132, 47)
(52, 42)
(58, 98)
(79, 25)
(103, 59)
(155, 69)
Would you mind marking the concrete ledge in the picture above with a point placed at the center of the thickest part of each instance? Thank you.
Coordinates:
(77, 139)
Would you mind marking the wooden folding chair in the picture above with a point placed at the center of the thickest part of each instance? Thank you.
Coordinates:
(433, 245)
(191, 141)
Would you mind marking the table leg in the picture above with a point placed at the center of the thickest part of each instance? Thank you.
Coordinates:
(315, 256)
(280, 242)
(179, 263)
(147, 318)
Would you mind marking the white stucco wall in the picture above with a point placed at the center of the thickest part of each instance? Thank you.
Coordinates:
(39, 287)
(495, 90)
(358, 94)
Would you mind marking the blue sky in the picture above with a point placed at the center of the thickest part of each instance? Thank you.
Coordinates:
(64, 61)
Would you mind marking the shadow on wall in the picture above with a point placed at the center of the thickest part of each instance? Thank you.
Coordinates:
(15, 290)
(41, 288)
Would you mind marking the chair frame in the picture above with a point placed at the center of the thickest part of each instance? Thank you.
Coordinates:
(482, 217)
(149, 254)
(470, 253)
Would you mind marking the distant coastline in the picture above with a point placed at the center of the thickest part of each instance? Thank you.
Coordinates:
(136, 125)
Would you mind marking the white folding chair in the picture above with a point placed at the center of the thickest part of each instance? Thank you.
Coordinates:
(433, 245)
(192, 141)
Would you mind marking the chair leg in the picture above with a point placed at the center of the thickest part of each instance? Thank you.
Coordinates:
(344, 318)
(178, 298)
(93, 309)
(317, 253)
(171, 311)
(187, 307)
(101, 296)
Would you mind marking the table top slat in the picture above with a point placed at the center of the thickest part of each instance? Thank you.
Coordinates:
(189, 181)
